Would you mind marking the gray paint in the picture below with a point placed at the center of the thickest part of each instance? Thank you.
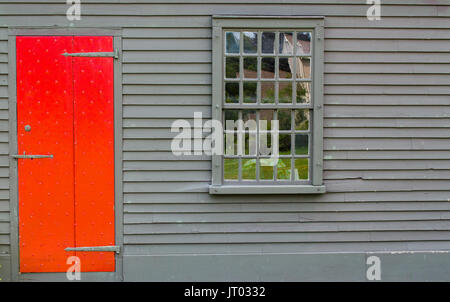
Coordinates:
(385, 148)
(222, 23)
(340, 267)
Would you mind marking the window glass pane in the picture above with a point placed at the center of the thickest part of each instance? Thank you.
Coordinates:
(232, 115)
(250, 92)
(302, 119)
(230, 169)
(303, 43)
(258, 80)
(285, 71)
(231, 92)
(267, 68)
(285, 92)
(230, 146)
(249, 169)
(265, 143)
(232, 67)
(266, 115)
(303, 68)
(230, 118)
(284, 118)
(303, 92)
(249, 114)
(301, 144)
(301, 169)
(266, 168)
(284, 144)
(251, 68)
(267, 92)
(284, 169)
(250, 42)
(250, 143)
(286, 43)
(268, 41)
(232, 42)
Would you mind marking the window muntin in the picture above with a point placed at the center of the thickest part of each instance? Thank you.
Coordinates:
(267, 75)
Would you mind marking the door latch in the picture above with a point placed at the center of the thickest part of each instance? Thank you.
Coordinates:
(114, 54)
(108, 248)
(31, 156)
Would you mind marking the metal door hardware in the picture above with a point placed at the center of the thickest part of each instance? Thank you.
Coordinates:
(31, 156)
(108, 248)
(114, 54)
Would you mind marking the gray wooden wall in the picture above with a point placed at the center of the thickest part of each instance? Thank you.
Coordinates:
(386, 136)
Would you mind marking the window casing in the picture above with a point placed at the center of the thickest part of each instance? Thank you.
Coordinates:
(268, 68)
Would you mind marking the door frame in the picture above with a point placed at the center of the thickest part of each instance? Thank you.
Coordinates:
(116, 33)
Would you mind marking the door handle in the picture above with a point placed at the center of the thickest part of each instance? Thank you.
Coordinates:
(31, 156)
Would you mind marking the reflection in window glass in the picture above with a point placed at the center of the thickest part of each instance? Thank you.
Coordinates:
(265, 143)
(285, 71)
(302, 119)
(268, 42)
(250, 68)
(250, 42)
(301, 169)
(250, 89)
(268, 68)
(231, 115)
(231, 92)
(303, 68)
(231, 169)
(232, 67)
(266, 168)
(232, 42)
(231, 143)
(267, 92)
(286, 43)
(284, 118)
(266, 115)
(250, 143)
(303, 92)
(249, 114)
(285, 144)
(301, 144)
(303, 43)
(249, 169)
(284, 169)
(285, 92)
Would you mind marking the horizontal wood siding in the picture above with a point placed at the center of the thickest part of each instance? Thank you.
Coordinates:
(4, 147)
(386, 128)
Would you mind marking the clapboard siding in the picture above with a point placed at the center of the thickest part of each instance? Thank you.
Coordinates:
(286, 247)
(200, 9)
(4, 146)
(386, 122)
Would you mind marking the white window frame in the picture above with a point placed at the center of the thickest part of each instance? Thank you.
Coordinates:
(221, 24)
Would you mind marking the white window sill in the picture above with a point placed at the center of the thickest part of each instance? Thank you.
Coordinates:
(268, 189)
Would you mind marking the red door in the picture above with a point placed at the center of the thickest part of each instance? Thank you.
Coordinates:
(65, 109)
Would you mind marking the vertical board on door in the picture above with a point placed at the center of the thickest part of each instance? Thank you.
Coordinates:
(67, 200)
(94, 151)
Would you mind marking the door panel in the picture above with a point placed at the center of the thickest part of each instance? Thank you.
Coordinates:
(45, 103)
(94, 152)
(67, 200)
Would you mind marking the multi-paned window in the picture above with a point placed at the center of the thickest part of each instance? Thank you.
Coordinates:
(267, 92)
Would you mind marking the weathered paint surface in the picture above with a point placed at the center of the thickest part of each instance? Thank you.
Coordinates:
(67, 200)
(46, 186)
(386, 144)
